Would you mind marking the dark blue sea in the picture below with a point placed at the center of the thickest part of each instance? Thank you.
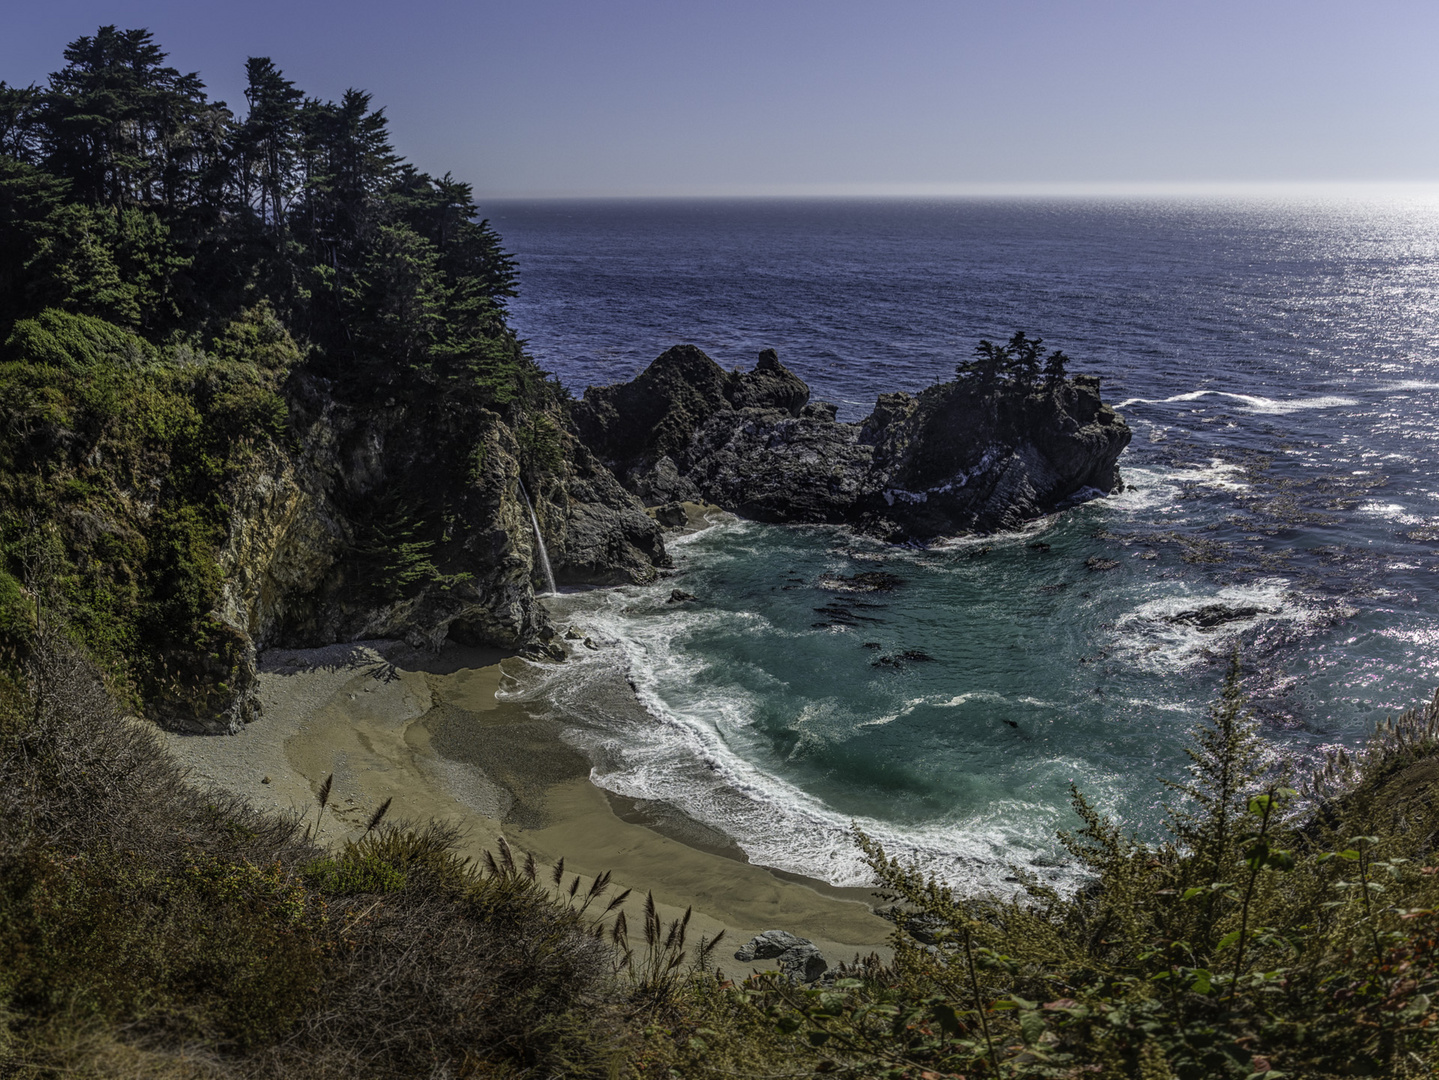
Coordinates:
(1279, 364)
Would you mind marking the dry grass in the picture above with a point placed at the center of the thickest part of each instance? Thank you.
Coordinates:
(148, 928)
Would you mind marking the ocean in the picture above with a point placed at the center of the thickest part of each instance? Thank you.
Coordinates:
(1278, 362)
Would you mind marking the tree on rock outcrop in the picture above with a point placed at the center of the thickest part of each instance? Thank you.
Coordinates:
(1019, 361)
(986, 366)
(1054, 368)
(1024, 358)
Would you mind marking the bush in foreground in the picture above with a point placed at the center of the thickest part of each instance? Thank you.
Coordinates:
(143, 920)
(1259, 941)
(149, 929)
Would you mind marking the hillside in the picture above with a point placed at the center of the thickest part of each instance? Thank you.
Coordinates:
(259, 388)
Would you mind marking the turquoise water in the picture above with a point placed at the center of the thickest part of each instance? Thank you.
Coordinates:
(1278, 366)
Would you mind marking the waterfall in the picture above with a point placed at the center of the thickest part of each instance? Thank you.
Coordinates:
(540, 543)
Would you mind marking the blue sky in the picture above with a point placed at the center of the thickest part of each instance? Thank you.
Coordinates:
(601, 97)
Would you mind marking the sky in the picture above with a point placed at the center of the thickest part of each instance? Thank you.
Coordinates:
(539, 98)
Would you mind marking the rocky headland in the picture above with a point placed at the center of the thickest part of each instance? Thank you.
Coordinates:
(402, 510)
(961, 457)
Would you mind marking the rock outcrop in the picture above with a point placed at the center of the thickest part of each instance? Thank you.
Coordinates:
(797, 957)
(960, 457)
(405, 520)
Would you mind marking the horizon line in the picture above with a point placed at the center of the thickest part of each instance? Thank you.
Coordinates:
(1312, 189)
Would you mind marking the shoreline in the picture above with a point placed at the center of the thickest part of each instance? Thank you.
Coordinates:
(427, 731)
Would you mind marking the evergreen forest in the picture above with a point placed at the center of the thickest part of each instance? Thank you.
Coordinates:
(168, 270)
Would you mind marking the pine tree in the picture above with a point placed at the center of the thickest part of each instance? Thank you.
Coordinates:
(396, 301)
(349, 167)
(267, 141)
(1225, 765)
(19, 122)
(1024, 359)
(1054, 368)
(989, 362)
(119, 123)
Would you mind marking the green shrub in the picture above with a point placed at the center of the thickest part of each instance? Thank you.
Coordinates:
(256, 336)
(17, 611)
(354, 873)
(1258, 942)
(127, 466)
(542, 444)
(74, 342)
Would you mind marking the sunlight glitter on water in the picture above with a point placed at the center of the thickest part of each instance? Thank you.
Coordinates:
(1279, 363)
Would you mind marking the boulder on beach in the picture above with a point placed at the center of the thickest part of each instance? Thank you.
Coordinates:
(797, 957)
(671, 515)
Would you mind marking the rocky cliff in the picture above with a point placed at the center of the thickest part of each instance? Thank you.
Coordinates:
(959, 457)
(179, 511)
(405, 519)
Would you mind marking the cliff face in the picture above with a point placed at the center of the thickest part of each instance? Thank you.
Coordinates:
(953, 459)
(184, 513)
(406, 520)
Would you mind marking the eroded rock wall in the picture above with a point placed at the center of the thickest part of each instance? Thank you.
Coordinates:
(404, 519)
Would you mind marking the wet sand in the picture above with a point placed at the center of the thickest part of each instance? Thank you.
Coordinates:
(426, 731)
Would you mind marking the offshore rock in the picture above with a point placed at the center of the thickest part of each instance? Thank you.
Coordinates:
(1212, 616)
(957, 458)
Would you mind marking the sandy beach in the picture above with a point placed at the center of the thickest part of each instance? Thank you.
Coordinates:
(426, 730)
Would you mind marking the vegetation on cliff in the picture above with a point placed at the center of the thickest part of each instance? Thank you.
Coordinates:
(175, 282)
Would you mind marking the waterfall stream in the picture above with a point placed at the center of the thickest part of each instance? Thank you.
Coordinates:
(540, 544)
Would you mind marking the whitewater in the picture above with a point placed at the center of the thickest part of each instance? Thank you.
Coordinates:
(1278, 363)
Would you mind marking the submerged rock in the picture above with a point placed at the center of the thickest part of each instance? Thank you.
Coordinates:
(909, 656)
(1213, 615)
(959, 457)
(869, 581)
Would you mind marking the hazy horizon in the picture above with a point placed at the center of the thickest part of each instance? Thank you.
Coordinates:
(1259, 191)
(926, 98)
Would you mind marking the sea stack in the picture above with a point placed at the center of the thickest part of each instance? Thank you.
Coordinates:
(960, 457)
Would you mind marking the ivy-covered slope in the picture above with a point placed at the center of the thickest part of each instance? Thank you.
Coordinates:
(257, 386)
